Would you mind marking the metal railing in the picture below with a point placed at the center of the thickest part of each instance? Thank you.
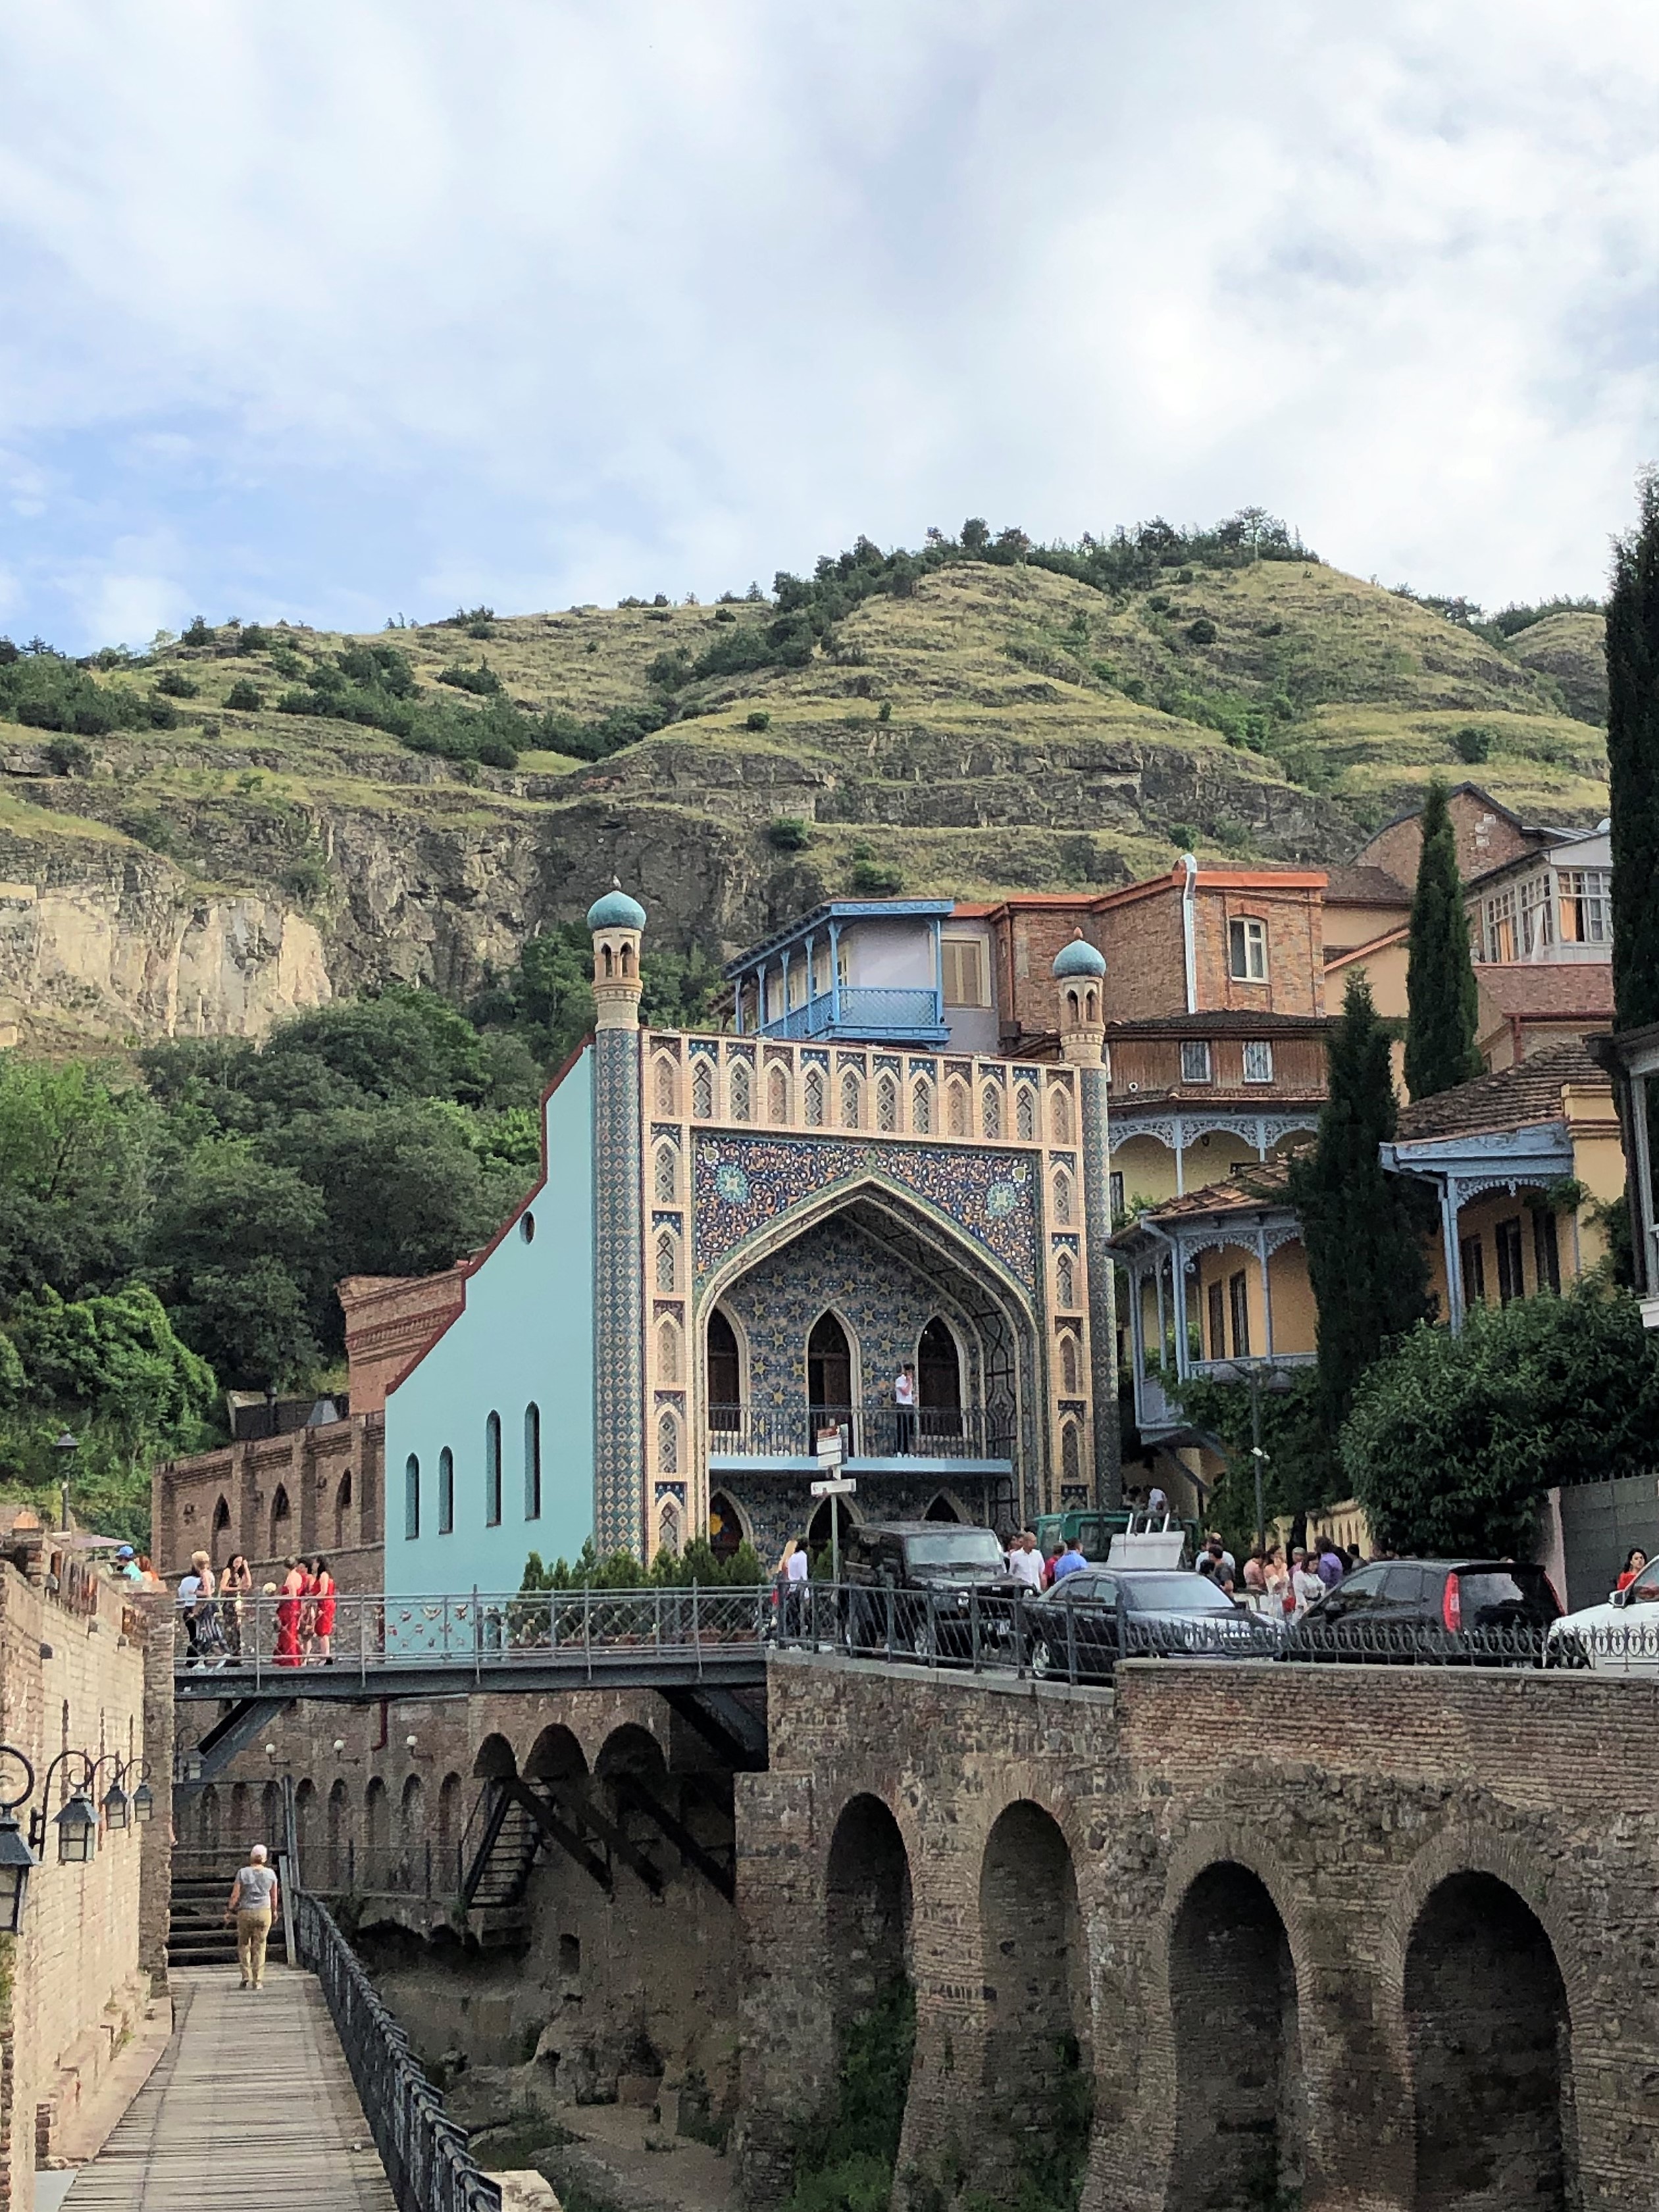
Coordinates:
(478, 1630)
(869, 1010)
(873, 1431)
(985, 1632)
(427, 1866)
(425, 2154)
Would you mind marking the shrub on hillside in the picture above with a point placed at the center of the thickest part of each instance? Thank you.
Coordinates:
(69, 756)
(1203, 631)
(788, 834)
(176, 684)
(481, 681)
(199, 632)
(247, 698)
(1472, 744)
(758, 720)
(875, 878)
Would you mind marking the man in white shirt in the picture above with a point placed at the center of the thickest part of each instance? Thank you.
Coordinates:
(904, 1397)
(1025, 1561)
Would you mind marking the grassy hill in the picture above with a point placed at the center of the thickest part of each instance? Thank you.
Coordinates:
(980, 726)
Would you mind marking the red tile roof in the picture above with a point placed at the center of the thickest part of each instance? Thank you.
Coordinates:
(1516, 1098)
(1365, 886)
(1543, 989)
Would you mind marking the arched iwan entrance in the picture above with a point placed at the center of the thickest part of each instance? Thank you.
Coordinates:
(1491, 2062)
(872, 1999)
(1232, 1989)
(1038, 2097)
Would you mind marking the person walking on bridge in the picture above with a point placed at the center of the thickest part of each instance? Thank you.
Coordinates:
(253, 1902)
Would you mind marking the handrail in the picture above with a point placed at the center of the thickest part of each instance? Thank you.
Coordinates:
(425, 2154)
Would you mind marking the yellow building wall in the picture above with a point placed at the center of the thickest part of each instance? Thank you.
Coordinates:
(1148, 1167)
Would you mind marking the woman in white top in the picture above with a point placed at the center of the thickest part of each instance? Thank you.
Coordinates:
(1305, 1585)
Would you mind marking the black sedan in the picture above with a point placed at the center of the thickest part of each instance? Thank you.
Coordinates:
(1079, 1630)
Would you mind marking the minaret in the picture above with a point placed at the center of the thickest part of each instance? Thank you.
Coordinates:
(616, 922)
(1080, 971)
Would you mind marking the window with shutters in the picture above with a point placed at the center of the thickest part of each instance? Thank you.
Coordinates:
(1473, 1264)
(1238, 1305)
(1115, 1194)
(1546, 1252)
(967, 971)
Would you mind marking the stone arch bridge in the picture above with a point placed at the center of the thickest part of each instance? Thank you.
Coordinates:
(1387, 1937)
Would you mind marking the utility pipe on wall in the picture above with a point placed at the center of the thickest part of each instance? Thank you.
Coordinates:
(1189, 929)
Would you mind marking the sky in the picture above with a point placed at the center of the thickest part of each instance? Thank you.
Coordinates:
(339, 310)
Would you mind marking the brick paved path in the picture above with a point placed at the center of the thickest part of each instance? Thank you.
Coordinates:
(252, 2109)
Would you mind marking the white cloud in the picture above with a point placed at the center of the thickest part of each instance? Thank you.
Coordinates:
(363, 307)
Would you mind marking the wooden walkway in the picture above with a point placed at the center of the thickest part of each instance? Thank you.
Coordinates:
(251, 2109)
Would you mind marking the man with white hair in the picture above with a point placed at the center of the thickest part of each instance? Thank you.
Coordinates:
(253, 1902)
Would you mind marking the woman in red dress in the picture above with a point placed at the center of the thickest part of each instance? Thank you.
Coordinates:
(323, 1589)
(289, 1607)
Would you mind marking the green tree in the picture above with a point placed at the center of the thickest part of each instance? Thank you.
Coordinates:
(1453, 1440)
(1359, 1228)
(1633, 762)
(238, 1247)
(1440, 993)
(74, 1155)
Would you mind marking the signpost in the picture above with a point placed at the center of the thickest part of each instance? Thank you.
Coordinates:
(833, 1485)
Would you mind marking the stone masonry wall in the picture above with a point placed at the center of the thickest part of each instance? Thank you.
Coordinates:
(602, 1990)
(1346, 1805)
(72, 1674)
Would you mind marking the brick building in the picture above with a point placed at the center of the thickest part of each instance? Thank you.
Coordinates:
(84, 1667)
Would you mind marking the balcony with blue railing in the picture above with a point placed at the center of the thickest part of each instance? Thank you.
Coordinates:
(863, 1011)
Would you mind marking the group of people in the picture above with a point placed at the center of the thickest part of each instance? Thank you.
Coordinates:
(1271, 1581)
(1027, 1564)
(212, 1604)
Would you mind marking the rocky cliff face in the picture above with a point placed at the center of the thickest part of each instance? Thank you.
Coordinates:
(996, 732)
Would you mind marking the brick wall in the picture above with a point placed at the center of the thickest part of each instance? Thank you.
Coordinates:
(1269, 1862)
(332, 1479)
(1485, 839)
(75, 1674)
(390, 1320)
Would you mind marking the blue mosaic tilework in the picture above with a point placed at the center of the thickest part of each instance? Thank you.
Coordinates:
(618, 1353)
(1103, 1284)
(741, 1185)
(883, 1305)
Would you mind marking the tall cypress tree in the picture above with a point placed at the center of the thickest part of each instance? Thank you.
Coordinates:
(1359, 1226)
(1440, 994)
(1633, 763)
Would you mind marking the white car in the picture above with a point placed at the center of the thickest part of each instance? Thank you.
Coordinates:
(1621, 1636)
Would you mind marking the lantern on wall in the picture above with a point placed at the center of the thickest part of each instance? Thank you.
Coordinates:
(17, 1861)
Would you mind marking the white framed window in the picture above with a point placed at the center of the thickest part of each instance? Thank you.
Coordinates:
(1586, 906)
(1247, 950)
(1537, 916)
(967, 971)
(1195, 1061)
(1500, 926)
(1258, 1061)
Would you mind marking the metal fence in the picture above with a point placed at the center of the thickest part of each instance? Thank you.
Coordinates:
(427, 1866)
(425, 2154)
(1044, 1640)
(873, 1431)
(271, 1638)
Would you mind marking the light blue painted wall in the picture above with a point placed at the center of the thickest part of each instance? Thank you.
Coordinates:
(526, 1337)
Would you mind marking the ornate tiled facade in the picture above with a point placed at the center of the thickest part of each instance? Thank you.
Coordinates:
(619, 1514)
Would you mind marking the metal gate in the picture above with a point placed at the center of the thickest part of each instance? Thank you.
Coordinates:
(1599, 1522)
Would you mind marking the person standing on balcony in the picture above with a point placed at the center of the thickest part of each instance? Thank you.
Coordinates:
(325, 1591)
(236, 1582)
(904, 1398)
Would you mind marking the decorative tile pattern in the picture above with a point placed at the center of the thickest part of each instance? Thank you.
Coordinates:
(618, 1295)
(990, 1196)
(1103, 1282)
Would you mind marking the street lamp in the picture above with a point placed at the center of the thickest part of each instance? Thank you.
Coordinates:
(77, 1824)
(17, 1861)
(1261, 1375)
(143, 1797)
(65, 1446)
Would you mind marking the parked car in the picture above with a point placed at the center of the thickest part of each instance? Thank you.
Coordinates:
(1404, 1609)
(1620, 1637)
(1081, 1627)
(933, 1589)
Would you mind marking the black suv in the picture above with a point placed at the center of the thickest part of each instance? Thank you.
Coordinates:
(930, 1588)
(1091, 1619)
(1407, 1608)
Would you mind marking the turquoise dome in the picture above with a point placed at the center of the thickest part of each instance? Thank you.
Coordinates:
(616, 910)
(1078, 959)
